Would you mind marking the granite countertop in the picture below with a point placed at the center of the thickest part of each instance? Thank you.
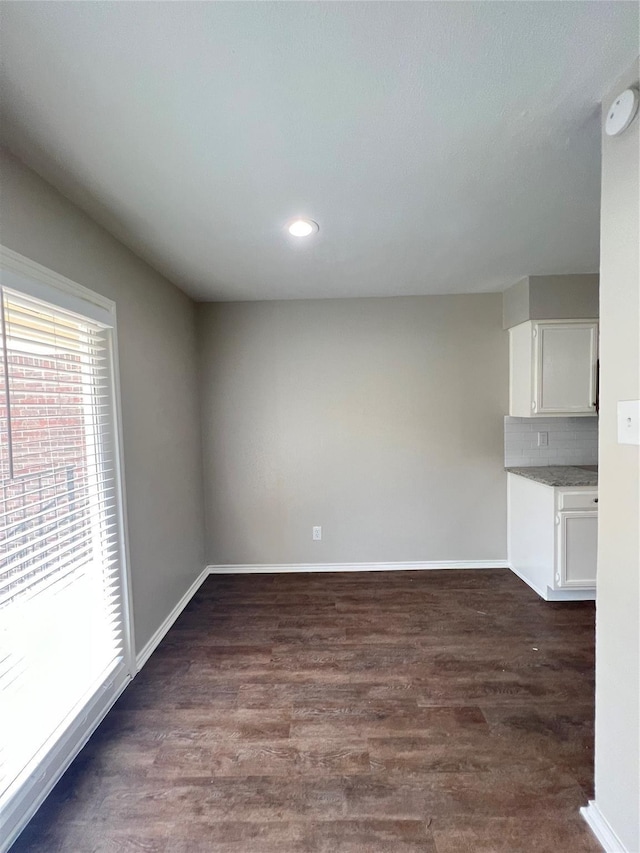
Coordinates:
(560, 475)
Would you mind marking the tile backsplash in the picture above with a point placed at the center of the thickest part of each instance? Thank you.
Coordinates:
(572, 441)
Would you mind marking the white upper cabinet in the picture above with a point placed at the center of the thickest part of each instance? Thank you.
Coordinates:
(566, 356)
(553, 365)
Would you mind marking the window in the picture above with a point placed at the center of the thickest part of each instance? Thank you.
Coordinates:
(64, 639)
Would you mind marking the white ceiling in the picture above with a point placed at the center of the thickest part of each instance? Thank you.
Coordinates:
(443, 147)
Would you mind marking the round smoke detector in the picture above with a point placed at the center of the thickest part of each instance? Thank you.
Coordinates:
(621, 112)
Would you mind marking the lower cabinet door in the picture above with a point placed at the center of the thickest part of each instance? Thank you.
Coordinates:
(577, 549)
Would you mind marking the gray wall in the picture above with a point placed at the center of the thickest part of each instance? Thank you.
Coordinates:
(564, 297)
(618, 605)
(515, 304)
(160, 412)
(551, 297)
(379, 419)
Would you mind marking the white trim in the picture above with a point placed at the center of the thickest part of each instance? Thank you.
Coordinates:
(90, 722)
(151, 645)
(549, 594)
(602, 829)
(123, 515)
(47, 767)
(509, 553)
(20, 811)
(584, 594)
(536, 589)
(277, 568)
(21, 265)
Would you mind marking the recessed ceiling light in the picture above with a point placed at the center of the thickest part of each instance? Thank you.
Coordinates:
(302, 227)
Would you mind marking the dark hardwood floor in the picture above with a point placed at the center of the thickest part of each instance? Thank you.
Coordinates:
(442, 712)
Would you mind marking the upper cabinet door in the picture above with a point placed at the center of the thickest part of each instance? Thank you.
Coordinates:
(565, 356)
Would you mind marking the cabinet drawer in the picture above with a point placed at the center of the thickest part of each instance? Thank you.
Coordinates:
(578, 500)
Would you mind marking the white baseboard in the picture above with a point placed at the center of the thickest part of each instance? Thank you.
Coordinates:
(549, 594)
(570, 594)
(277, 568)
(274, 568)
(602, 829)
(528, 582)
(147, 650)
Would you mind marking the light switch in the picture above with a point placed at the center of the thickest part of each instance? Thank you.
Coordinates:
(629, 422)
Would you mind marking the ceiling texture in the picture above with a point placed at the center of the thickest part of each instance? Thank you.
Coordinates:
(442, 147)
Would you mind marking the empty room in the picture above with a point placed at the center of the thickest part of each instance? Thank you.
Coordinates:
(320, 426)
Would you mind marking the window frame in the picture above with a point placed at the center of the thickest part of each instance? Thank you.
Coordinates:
(24, 275)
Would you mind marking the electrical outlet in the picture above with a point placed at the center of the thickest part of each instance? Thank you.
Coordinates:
(317, 534)
(543, 439)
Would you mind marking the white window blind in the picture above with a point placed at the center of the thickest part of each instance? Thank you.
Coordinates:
(62, 630)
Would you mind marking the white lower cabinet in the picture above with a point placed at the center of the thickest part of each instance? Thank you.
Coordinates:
(553, 538)
(577, 549)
